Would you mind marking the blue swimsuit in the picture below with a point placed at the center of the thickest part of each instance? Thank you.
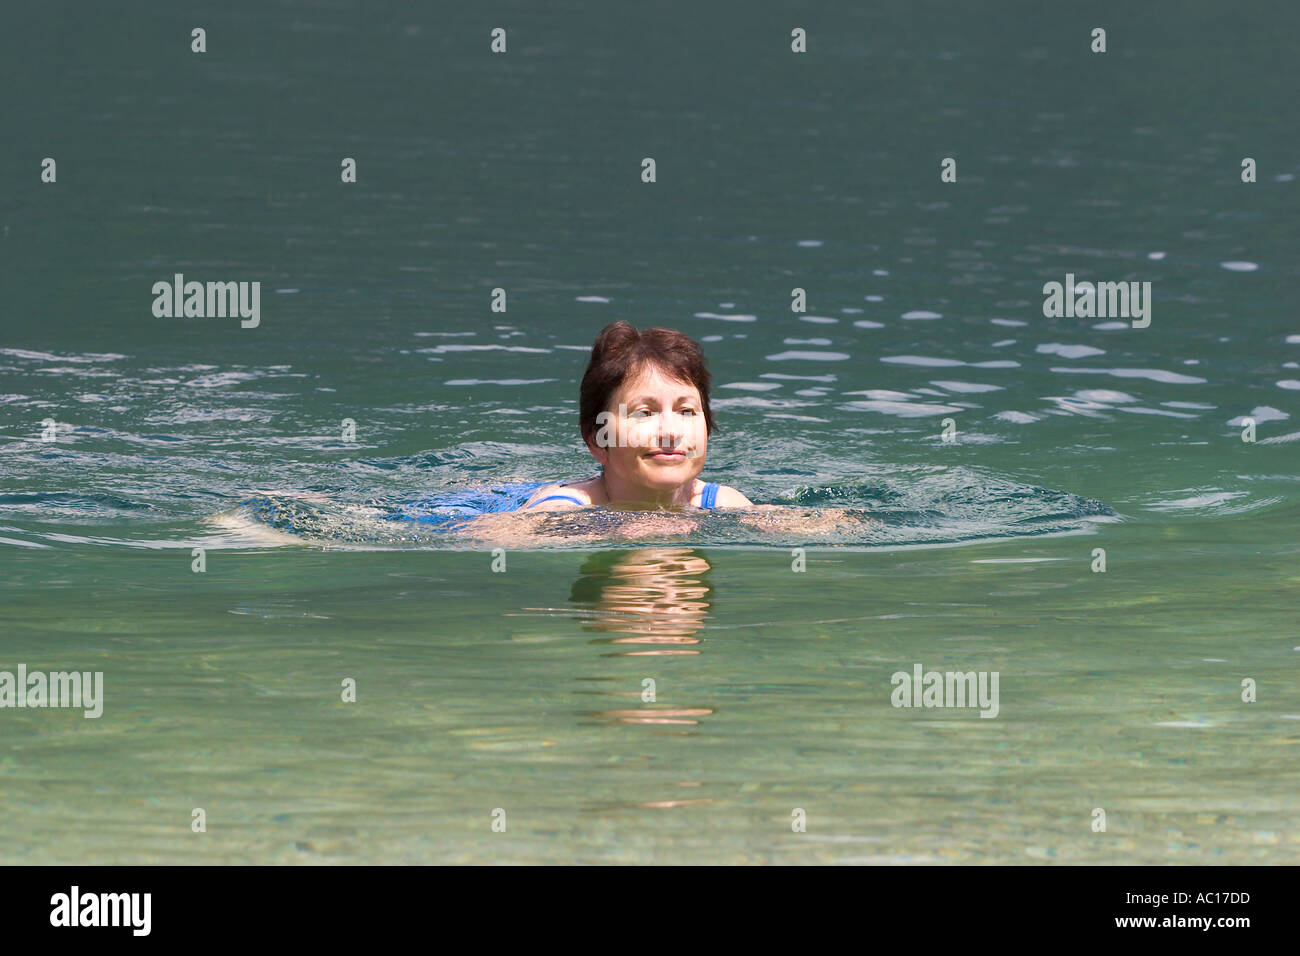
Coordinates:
(448, 507)
(708, 497)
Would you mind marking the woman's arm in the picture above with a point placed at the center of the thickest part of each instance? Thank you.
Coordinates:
(784, 518)
(520, 529)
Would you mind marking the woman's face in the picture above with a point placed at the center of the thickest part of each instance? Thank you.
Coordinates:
(653, 434)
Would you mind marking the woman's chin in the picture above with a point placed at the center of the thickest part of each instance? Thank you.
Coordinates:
(668, 477)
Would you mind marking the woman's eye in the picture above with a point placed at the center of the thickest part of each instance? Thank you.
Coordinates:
(688, 411)
(639, 412)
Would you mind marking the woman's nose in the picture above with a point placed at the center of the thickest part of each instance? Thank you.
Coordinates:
(671, 429)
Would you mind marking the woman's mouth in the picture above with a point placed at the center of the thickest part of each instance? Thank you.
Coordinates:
(664, 454)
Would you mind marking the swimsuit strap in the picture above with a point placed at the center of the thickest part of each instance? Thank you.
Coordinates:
(558, 498)
(709, 496)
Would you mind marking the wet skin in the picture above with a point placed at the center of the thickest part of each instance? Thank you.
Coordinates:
(651, 443)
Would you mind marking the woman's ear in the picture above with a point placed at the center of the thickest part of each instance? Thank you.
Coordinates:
(600, 454)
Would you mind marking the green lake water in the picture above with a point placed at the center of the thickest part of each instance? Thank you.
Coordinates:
(522, 690)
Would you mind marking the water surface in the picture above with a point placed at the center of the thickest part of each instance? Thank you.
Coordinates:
(522, 689)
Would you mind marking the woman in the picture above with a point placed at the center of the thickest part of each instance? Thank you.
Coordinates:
(643, 411)
(644, 415)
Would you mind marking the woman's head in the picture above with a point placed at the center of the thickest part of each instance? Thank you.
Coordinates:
(644, 406)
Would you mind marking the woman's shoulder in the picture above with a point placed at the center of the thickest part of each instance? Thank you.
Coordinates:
(562, 496)
(729, 497)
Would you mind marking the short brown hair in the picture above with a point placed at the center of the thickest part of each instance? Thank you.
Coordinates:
(621, 351)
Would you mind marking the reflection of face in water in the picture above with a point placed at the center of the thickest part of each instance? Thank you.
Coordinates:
(656, 596)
